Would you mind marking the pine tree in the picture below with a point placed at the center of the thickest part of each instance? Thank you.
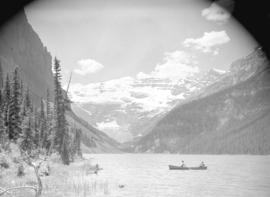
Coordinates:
(1, 77)
(1, 101)
(71, 147)
(3, 136)
(27, 137)
(6, 101)
(48, 107)
(61, 137)
(36, 130)
(42, 125)
(77, 142)
(15, 108)
(2, 131)
(4, 111)
(7, 91)
(27, 105)
(50, 135)
(22, 89)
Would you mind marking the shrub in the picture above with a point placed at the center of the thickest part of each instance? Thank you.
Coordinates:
(3, 162)
(16, 160)
(20, 171)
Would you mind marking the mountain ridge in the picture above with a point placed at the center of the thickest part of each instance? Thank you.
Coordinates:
(215, 121)
(21, 47)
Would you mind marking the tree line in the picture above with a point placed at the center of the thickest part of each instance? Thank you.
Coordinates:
(37, 128)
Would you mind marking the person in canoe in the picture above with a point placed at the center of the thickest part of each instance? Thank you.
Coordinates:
(97, 168)
(183, 165)
(202, 165)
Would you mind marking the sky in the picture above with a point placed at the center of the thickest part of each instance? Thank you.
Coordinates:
(123, 53)
(102, 40)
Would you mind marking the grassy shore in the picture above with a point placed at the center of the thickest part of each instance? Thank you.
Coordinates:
(77, 179)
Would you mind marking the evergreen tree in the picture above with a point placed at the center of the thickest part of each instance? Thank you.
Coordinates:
(1, 90)
(1, 77)
(22, 90)
(7, 91)
(49, 135)
(48, 107)
(2, 131)
(27, 105)
(71, 147)
(36, 130)
(1, 101)
(3, 135)
(27, 137)
(61, 137)
(4, 110)
(42, 125)
(77, 142)
(6, 101)
(15, 108)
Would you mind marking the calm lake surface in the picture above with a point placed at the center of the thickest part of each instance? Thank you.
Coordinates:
(148, 175)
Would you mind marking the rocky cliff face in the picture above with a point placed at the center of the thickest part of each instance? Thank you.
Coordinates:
(230, 116)
(21, 47)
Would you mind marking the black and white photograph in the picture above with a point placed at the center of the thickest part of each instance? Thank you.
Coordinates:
(134, 98)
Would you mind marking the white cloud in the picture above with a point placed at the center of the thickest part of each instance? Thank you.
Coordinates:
(87, 66)
(176, 65)
(147, 91)
(124, 92)
(208, 42)
(112, 91)
(215, 13)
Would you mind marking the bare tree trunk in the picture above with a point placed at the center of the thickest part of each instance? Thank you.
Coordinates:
(36, 168)
(39, 182)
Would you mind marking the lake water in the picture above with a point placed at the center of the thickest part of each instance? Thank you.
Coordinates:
(148, 175)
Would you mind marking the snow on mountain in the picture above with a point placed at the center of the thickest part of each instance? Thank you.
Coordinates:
(230, 116)
(127, 107)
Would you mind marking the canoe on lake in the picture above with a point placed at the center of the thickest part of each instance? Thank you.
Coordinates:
(172, 167)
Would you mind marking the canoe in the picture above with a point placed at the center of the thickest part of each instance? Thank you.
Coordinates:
(172, 167)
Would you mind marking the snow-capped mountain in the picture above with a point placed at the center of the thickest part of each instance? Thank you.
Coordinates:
(230, 116)
(128, 107)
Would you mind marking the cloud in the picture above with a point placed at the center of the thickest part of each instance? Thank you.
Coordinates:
(146, 94)
(111, 91)
(176, 65)
(208, 42)
(216, 13)
(87, 66)
(146, 91)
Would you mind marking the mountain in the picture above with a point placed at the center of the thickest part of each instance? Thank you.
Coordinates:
(21, 47)
(128, 108)
(230, 116)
